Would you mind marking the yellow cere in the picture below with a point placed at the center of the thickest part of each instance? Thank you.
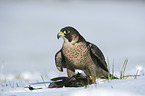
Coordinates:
(61, 32)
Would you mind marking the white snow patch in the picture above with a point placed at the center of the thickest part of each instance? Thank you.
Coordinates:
(102, 92)
(127, 87)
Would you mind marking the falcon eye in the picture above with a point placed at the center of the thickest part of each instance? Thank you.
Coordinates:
(66, 32)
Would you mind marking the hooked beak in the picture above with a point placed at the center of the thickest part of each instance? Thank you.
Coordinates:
(60, 34)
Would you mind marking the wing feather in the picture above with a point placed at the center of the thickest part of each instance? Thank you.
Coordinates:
(59, 61)
(95, 51)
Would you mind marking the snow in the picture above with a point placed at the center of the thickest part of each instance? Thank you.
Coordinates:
(127, 87)
(28, 43)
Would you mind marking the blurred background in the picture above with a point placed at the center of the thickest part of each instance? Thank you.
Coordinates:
(28, 30)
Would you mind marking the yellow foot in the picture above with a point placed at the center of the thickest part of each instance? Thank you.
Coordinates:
(93, 80)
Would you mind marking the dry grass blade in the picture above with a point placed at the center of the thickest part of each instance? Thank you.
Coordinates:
(108, 68)
(136, 74)
(43, 80)
(123, 69)
(2, 67)
(113, 68)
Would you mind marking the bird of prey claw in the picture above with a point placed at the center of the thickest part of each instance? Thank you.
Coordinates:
(77, 53)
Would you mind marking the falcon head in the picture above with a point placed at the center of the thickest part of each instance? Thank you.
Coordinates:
(70, 34)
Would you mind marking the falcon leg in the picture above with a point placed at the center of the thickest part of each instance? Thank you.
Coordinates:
(92, 70)
(87, 72)
(70, 72)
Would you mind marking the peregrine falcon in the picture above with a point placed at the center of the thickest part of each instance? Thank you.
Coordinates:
(77, 53)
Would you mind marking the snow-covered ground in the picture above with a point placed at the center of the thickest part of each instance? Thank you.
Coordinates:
(128, 87)
(28, 43)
